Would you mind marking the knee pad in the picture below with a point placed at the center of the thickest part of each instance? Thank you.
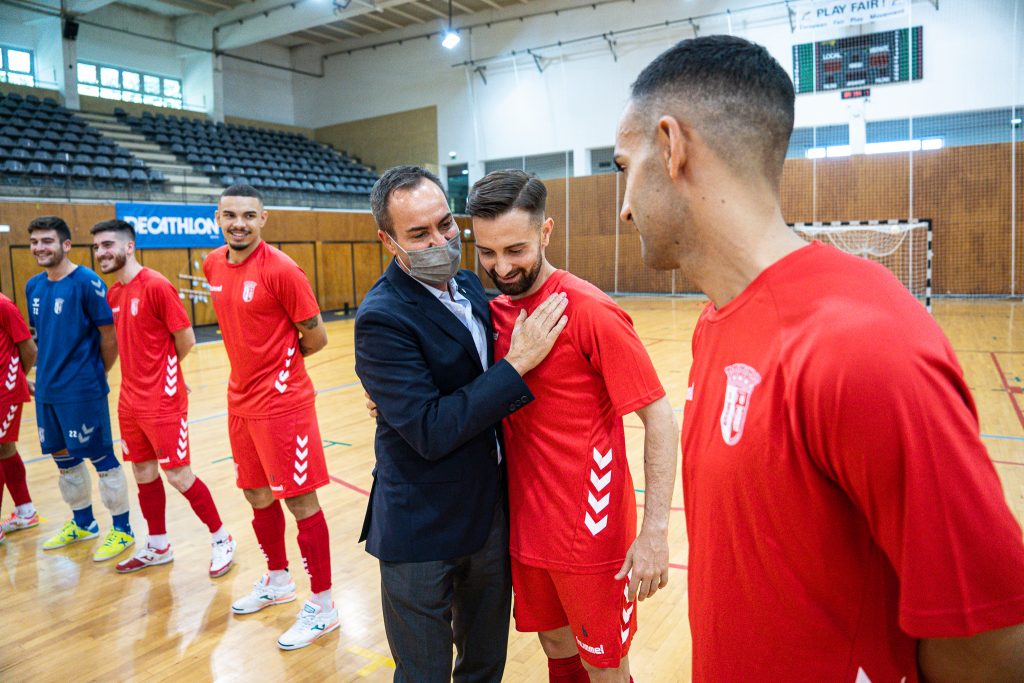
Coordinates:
(75, 487)
(105, 460)
(114, 490)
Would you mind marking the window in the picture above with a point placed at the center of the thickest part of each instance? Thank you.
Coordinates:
(17, 66)
(126, 85)
(554, 165)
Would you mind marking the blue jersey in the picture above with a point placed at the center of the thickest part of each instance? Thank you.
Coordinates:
(66, 315)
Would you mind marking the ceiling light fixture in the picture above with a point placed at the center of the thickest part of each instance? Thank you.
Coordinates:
(451, 36)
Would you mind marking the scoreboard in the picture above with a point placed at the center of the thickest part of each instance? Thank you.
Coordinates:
(858, 61)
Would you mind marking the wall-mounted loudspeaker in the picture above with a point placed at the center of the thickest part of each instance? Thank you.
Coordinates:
(70, 29)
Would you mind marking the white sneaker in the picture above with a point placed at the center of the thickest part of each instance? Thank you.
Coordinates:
(313, 621)
(223, 555)
(263, 595)
(145, 557)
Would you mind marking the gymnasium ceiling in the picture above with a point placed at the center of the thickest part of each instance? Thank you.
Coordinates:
(321, 22)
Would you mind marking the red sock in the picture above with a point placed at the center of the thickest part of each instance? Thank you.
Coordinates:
(198, 496)
(268, 523)
(153, 502)
(314, 544)
(14, 473)
(568, 670)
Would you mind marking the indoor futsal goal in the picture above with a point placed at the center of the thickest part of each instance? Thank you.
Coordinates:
(904, 247)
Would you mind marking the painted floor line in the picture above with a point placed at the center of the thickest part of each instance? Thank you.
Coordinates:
(1009, 390)
(1001, 436)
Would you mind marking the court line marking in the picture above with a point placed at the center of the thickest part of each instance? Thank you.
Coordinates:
(1009, 390)
(1002, 436)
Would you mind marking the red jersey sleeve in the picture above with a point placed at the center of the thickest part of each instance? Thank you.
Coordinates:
(14, 323)
(894, 425)
(289, 283)
(168, 306)
(606, 337)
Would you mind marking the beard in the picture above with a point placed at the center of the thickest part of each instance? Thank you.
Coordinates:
(114, 264)
(51, 260)
(525, 281)
(238, 247)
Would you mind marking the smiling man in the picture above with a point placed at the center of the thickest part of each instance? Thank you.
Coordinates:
(67, 306)
(436, 517)
(578, 563)
(270, 321)
(154, 335)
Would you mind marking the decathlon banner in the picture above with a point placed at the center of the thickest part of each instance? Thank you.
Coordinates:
(172, 226)
(820, 14)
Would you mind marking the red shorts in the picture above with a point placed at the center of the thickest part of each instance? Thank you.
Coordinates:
(595, 606)
(163, 438)
(10, 422)
(283, 452)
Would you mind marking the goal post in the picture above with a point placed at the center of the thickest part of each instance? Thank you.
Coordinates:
(902, 246)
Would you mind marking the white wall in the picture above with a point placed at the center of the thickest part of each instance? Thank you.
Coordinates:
(253, 91)
(574, 104)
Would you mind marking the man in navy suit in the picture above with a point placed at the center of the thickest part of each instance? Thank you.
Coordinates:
(436, 518)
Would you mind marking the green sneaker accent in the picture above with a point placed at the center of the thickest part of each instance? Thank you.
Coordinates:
(71, 533)
(113, 545)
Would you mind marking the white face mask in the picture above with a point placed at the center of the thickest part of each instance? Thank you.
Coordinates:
(434, 265)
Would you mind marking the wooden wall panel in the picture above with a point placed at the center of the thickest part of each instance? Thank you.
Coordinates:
(367, 259)
(303, 254)
(337, 279)
(24, 267)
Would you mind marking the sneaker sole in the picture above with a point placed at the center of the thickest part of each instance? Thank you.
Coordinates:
(329, 629)
(278, 601)
(72, 542)
(13, 529)
(221, 572)
(167, 560)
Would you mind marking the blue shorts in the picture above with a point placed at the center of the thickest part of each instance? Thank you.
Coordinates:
(82, 428)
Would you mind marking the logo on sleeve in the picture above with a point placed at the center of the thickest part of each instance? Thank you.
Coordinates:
(97, 288)
(248, 289)
(741, 380)
(35, 305)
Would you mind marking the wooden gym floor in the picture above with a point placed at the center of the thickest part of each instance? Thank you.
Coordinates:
(66, 618)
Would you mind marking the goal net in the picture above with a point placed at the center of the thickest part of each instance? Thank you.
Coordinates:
(904, 247)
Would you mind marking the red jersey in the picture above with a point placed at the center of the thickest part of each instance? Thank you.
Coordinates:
(14, 388)
(839, 502)
(258, 302)
(571, 498)
(147, 311)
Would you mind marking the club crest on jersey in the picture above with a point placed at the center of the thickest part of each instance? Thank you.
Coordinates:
(58, 306)
(741, 380)
(135, 306)
(248, 289)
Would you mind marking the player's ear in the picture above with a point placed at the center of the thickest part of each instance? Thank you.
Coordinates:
(672, 138)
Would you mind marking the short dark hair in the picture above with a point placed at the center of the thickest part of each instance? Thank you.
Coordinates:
(394, 179)
(739, 95)
(115, 225)
(51, 223)
(499, 192)
(241, 190)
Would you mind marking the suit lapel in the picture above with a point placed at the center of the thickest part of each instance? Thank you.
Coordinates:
(432, 309)
(482, 310)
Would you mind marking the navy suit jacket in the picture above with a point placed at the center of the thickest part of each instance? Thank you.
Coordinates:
(437, 476)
